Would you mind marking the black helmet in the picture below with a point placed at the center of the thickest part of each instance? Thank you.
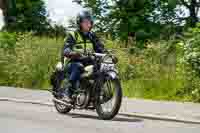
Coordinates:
(84, 15)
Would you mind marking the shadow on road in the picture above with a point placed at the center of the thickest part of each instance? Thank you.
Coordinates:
(118, 119)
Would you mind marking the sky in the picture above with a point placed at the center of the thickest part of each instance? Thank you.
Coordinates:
(60, 11)
(1, 19)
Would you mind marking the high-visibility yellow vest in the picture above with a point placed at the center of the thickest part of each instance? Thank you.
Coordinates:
(82, 46)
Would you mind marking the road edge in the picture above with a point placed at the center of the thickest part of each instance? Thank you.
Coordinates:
(127, 114)
(26, 101)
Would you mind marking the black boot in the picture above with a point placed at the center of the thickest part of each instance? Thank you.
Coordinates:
(71, 90)
(67, 95)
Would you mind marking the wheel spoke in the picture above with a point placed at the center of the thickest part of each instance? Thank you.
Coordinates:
(109, 92)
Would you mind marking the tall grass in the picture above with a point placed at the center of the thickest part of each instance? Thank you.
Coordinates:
(155, 72)
(31, 61)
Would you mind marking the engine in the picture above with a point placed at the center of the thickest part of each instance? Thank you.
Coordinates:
(81, 99)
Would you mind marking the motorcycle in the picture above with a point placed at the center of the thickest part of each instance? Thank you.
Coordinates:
(100, 87)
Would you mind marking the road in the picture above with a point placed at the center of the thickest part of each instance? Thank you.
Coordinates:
(29, 118)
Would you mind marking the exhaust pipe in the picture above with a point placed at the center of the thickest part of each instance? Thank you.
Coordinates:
(62, 102)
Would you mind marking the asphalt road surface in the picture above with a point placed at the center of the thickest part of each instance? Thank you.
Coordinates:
(29, 118)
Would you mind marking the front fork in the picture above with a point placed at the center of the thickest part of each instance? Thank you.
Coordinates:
(98, 85)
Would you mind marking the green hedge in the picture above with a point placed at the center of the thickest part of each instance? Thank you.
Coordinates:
(159, 71)
(30, 60)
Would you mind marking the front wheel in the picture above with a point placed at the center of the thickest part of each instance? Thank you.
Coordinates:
(110, 100)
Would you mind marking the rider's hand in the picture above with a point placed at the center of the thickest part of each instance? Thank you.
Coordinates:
(74, 55)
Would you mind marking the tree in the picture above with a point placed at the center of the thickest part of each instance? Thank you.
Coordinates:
(57, 31)
(193, 7)
(9, 9)
(121, 17)
(72, 24)
(31, 15)
(175, 6)
(143, 18)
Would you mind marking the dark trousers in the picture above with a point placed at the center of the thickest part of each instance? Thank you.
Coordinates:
(75, 68)
(74, 71)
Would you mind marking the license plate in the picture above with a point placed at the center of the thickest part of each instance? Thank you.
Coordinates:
(107, 67)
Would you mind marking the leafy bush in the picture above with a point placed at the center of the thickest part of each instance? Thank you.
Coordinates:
(191, 65)
(8, 40)
(192, 50)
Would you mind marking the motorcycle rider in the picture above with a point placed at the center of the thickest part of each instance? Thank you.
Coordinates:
(77, 44)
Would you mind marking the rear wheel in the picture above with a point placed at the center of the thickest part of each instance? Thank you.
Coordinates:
(110, 100)
(62, 108)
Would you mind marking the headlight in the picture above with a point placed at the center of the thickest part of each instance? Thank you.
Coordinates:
(108, 60)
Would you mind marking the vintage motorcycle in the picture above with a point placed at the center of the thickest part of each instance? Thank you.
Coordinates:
(100, 87)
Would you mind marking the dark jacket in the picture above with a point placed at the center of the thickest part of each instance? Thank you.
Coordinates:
(70, 42)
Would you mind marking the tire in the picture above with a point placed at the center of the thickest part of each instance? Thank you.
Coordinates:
(115, 109)
(61, 108)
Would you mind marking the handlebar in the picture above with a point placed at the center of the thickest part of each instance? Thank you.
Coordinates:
(98, 55)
